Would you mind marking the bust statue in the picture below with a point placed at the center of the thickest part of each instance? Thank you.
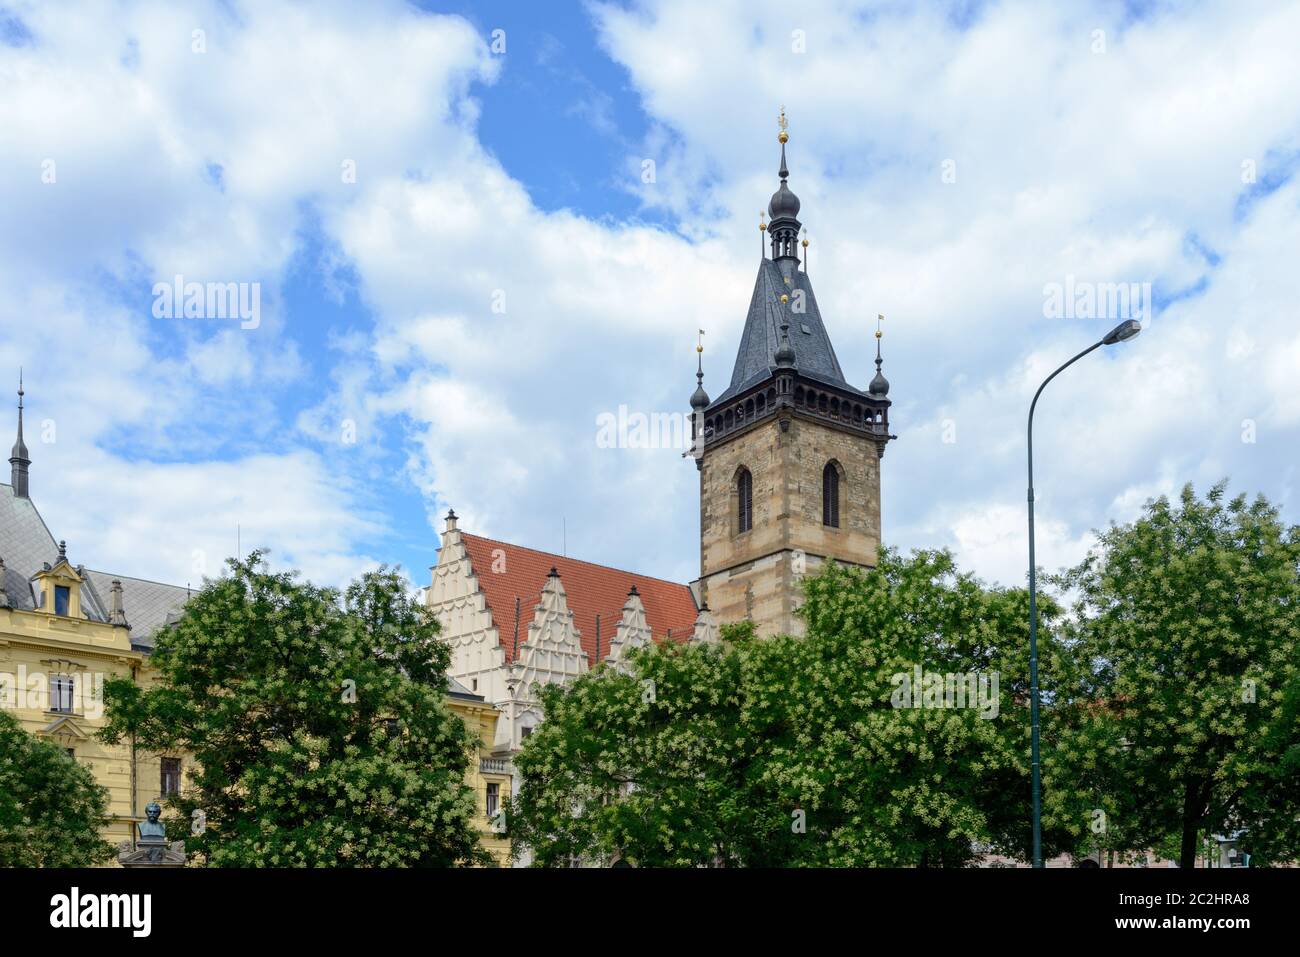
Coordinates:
(152, 849)
(152, 830)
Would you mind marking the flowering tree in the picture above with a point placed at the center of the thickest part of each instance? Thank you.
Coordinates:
(802, 751)
(1187, 623)
(51, 809)
(316, 721)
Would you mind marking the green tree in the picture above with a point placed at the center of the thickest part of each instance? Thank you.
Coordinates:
(316, 722)
(51, 808)
(1268, 809)
(791, 751)
(1184, 716)
(650, 762)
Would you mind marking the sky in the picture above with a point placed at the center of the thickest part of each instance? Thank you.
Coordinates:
(474, 229)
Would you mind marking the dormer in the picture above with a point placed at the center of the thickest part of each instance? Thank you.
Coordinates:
(57, 587)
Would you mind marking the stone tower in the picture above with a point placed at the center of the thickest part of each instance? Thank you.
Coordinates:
(789, 454)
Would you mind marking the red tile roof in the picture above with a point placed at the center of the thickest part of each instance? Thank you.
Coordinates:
(591, 590)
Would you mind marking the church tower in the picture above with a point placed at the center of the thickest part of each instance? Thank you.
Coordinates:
(789, 454)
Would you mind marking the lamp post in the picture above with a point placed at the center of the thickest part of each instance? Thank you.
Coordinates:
(1124, 331)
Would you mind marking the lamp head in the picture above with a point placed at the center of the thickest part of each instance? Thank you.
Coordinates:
(1124, 331)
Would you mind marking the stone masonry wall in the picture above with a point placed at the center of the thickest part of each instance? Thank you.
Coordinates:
(756, 574)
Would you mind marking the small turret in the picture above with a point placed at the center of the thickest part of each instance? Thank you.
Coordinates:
(700, 398)
(879, 385)
(18, 459)
(783, 231)
(785, 352)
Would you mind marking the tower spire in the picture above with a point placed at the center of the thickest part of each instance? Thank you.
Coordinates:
(784, 207)
(879, 385)
(783, 137)
(18, 459)
(700, 399)
(699, 402)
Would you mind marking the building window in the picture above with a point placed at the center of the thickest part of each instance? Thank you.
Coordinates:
(524, 732)
(744, 501)
(62, 598)
(831, 495)
(171, 777)
(61, 694)
(493, 799)
(72, 753)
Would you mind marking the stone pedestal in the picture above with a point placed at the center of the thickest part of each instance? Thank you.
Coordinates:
(152, 852)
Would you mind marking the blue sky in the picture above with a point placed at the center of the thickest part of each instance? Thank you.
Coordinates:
(563, 117)
(446, 328)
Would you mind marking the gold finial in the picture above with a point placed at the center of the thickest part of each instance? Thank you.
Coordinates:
(762, 221)
(784, 299)
(700, 347)
(783, 136)
(805, 239)
(880, 317)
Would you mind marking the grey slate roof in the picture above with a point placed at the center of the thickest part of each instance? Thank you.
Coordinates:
(148, 605)
(756, 357)
(26, 545)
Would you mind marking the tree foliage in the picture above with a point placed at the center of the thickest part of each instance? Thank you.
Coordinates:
(316, 722)
(790, 751)
(1183, 716)
(51, 808)
(1171, 714)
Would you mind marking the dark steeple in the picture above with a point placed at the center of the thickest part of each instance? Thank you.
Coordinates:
(783, 231)
(785, 360)
(18, 458)
(699, 402)
(700, 399)
(784, 327)
(879, 387)
(784, 203)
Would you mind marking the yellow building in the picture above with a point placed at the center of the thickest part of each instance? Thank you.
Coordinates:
(64, 630)
(489, 772)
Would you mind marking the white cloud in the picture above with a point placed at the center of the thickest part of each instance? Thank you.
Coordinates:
(1068, 163)
(1102, 166)
(178, 521)
(167, 160)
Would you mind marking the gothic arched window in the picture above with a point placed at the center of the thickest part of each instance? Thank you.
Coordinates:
(831, 495)
(744, 501)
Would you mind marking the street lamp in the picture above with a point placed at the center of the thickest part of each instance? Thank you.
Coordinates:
(1124, 331)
